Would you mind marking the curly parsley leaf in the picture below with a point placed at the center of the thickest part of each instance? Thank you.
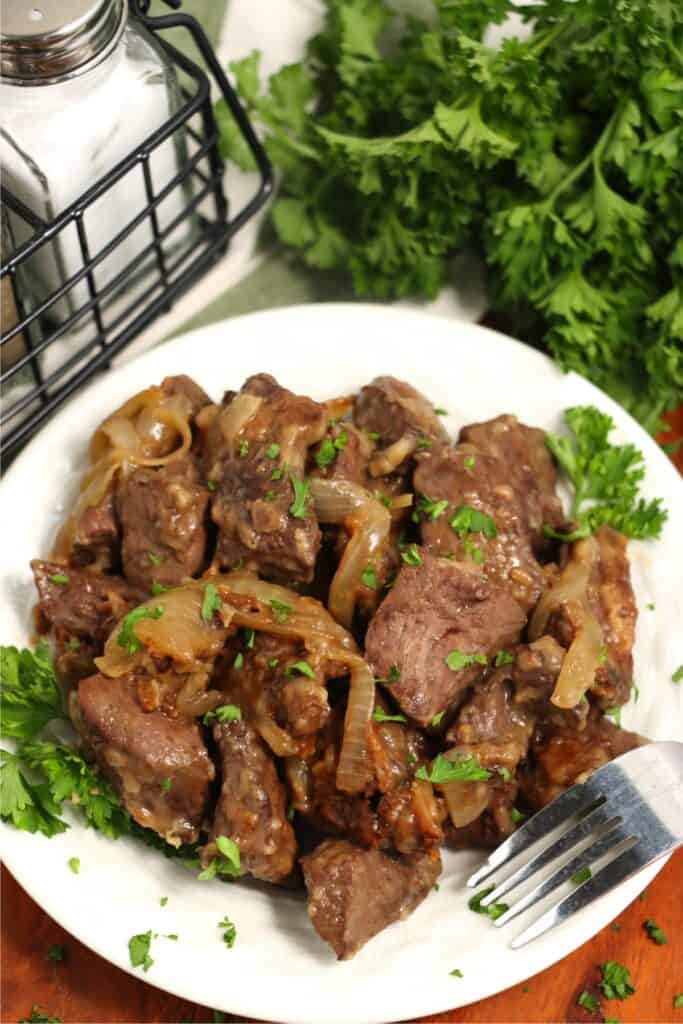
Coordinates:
(29, 696)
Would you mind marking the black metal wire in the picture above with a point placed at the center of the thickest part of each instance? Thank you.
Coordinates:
(167, 275)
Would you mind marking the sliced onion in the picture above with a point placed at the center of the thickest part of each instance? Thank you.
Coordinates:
(235, 416)
(426, 808)
(390, 458)
(279, 741)
(352, 772)
(337, 408)
(580, 663)
(368, 522)
(466, 801)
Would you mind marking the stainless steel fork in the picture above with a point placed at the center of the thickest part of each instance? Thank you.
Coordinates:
(602, 831)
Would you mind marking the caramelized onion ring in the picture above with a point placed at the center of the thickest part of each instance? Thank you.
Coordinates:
(390, 458)
(466, 801)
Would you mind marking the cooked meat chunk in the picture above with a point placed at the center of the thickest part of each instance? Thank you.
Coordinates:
(533, 674)
(492, 727)
(343, 454)
(158, 764)
(411, 817)
(82, 603)
(263, 522)
(392, 409)
(469, 480)
(354, 893)
(611, 599)
(162, 513)
(257, 675)
(562, 756)
(394, 750)
(493, 825)
(526, 457)
(194, 398)
(96, 534)
(251, 805)
(434, 609)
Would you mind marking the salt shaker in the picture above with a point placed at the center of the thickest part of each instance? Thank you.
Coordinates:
(82, 86)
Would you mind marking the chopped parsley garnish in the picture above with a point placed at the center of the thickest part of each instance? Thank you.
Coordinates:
(474, 552)
(581, 876)
(224, 713)
(276, 474)
(504, 774)
(393, 677)
(373, 435)
(429, 508)
(636, 693)
(654, 932)
(615, 980)
(250, 637)
(470, 520)
(243, 449)
(650, 606)
(423, 443)
(442, 769)
(411, 556)
(678, 675)
(239, 661)
(380, 715)
(155, 559)
(436, 720)
(127, 638)
(269, 496)
(166, 785)
(74, 643)
(605, 475)
(300, 667)
(158, 588)
(211, 602)
(455, 974)
(272, 451)
(678, 1000)
(59, 577)
(229, 932)
(588, 1002)
(298, 507)
(163, 901)
(440, 412)
(615, 927)
(516, 815)
(227, 862)
(615, 715)
(138, 950)
(494, 910)
(456, 660)
(39, 1018)
(326, 454)
(74, 864)
(611, 1020)
(55, 953)
(503, 658)
(211, 484)
(369, 577)
(281, 611)
(273, 662)
(468, 462)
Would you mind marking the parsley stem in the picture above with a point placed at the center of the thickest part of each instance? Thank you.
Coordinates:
(595, 153)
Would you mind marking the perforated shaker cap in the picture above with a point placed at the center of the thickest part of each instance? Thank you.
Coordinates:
(46, 41)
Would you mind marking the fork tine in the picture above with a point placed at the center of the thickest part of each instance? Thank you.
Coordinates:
(573, 801)
(625, 863)
(607, 840)
(599, 818)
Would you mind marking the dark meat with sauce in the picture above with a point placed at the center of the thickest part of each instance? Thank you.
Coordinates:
(254, 492)
(96, 534)
(611, 599)
(251, 805)
(432, 610)
(465, 478)
(561, 757)
(159, 765)
(492, 727)
(353, 893)
(162, 513)
(526, 457)
(392, 409)
(193, 397)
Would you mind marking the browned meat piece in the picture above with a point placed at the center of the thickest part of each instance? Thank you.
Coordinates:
(493, 825)
(87, 605)
(354, 893)
(394, 750)
(492, 727)
(159, 765)
(96, 534)
(526, 457)
(343, 454)
(260, 525)
(562, 756)
(533, 674)
(194, 397)
(467, 479)
(434, 609)
(251, 805)
(162, 514)
(611, 599)
(392, 409)
(257, 675)
(411, 817)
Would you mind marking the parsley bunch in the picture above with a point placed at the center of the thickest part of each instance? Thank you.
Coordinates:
(559, 157)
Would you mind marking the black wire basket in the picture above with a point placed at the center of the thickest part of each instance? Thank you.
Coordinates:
(36, 374)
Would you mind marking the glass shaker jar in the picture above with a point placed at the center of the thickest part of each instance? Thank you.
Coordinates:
(82, 86)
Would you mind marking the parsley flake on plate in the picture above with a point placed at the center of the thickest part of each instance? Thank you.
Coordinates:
(139, 950)
(74, 864)
(55, 953)
(678, 675)
(229, 932)
(587, 1001)
(654, 932)
(429, 508)
(615, 980)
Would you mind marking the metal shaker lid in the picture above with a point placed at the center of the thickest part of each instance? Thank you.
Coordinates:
(44, 41)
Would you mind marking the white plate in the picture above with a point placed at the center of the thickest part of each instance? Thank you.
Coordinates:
(279, 969)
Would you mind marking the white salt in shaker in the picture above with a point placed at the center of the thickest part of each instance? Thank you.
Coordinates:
(82, 86)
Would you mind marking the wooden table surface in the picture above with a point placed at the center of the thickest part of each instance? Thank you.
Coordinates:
(85, 988)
